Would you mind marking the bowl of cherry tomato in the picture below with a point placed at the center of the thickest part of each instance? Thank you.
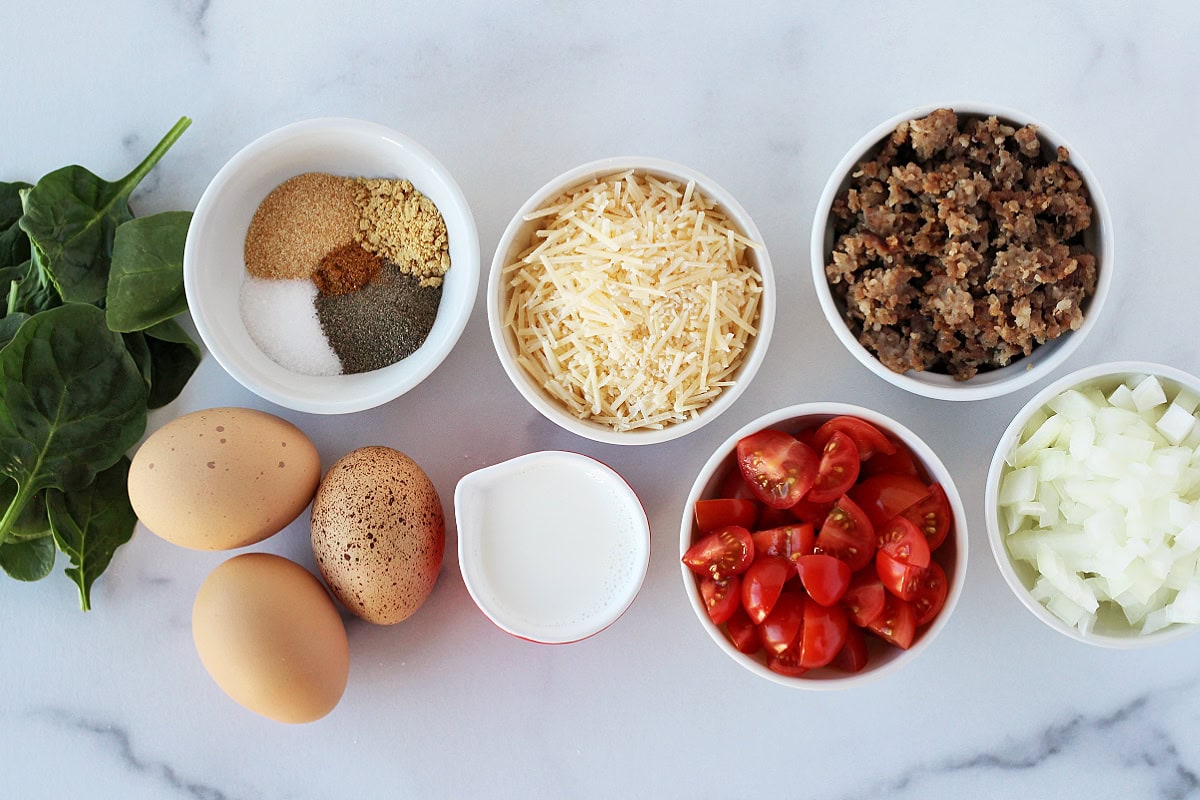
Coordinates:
(823, 545)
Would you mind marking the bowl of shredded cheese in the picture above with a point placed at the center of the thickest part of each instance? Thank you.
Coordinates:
(631, 300)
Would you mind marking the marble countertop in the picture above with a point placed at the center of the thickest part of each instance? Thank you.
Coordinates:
(763, 97)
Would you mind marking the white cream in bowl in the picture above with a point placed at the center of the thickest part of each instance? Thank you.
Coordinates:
(553, 546)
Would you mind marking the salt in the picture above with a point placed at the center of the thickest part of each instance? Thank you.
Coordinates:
(281, 318)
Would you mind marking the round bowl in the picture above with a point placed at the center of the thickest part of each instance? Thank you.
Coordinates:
(515, 240)
(564, 572)
(1017, 374)
(1111, 628)
(214, 267)
(952, 554)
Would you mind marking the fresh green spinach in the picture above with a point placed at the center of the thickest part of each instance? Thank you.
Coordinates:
(28, 555)
(90, 525)
(72, 401)
(76, 272)
(174, 357)
(145, 284)
(71, 216)
(28, 559)
(14, 244)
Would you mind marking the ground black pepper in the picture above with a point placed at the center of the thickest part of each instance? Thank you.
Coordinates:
(385, 321)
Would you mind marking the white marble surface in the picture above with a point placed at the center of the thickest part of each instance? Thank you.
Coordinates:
(765, 98)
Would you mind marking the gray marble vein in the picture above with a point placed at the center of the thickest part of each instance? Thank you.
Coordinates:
(1129, 735)
(119, 742)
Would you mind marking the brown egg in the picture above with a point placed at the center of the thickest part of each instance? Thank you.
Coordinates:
(269, 635)
(378, 533)
(223, 478)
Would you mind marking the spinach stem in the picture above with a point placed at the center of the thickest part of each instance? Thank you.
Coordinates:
(14, 510)
(160, 149)
(12, 297)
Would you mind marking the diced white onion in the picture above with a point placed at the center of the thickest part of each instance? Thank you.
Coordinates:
(1102, 497)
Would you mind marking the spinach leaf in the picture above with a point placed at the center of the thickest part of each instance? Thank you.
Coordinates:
(14, 244)
(28, 555)
(71, 216)
(173, 357)
(33, 292)
(28, 559)
(13, 241)
(135, 343)
(72, 401)
(90, 525)
(145, 283)
(10, 202)
(9, 326)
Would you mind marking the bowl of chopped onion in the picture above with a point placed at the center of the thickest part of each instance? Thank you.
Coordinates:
(631, 300)
(1093, 504)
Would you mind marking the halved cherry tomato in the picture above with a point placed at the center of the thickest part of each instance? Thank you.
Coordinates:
(787, 663)
(932, 515)
(781, 628)
(824, 634)
(885, 496)
(896, 625)
(721, 554)
(853, 655)
(726, 511)
(865, 598)
(774, 517)
(789, 541)
(825, 578)
(930, 594)
(900, 462)
(742, 632)
(837, 471)
(763, 583)
(847, 534)
(733, 485)
(778, 468)
(904, 542)
(868, 439)
(900, 579)
(721, 598)
(808, 511)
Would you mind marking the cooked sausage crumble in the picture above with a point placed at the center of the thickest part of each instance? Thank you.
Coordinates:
(958, 248)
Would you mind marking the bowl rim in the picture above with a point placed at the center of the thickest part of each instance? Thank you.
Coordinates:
(637, 579)
(755, 352)
(1025, 371)
(937, 470)
(1008, 440)
(457, 316)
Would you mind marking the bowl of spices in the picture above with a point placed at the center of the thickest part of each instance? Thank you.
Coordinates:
(962, 252)
(631, 300)
(331, 265)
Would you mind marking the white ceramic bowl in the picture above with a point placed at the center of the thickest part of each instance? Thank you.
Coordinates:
(553, 546)
(952, 555)
(214, 267)
(515, 240)
(1020, 373)
(1111, 629)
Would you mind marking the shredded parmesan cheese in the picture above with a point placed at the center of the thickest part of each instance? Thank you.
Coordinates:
(634, 301)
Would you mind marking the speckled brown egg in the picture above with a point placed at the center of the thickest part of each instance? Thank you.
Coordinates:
(378, 533)
(223, 478)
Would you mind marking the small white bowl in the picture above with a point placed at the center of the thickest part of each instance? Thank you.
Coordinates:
(214, 268)
(553, 546)
(1018, 374)
(516, 239)
(952, 555)
(1111, 629)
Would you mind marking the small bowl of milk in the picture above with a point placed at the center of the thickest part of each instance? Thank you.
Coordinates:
(553, 546)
